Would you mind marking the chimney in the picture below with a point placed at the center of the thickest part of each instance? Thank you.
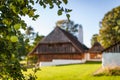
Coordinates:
(80, 34)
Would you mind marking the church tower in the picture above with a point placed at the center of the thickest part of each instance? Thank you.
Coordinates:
(80, 34)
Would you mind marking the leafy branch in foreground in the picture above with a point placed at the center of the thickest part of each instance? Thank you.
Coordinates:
(11, 37)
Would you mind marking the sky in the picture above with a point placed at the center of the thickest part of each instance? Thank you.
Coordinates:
(88, 13)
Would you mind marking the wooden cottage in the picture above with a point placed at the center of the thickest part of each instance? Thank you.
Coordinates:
(111, 56)
(59, 44)
(94, 53)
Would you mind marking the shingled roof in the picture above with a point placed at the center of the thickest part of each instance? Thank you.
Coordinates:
(96, 48)
(56, 36)
(109, 49)
(59, 35)
(73, 39)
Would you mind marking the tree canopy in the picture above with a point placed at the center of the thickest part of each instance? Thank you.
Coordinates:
(110, 30)
(11, 38)
(94, 39)
(68, 25)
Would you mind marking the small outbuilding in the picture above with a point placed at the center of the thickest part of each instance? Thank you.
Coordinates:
(95, 52)
(111, 56)
(59, 45)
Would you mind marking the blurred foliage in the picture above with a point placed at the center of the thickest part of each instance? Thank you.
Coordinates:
(110, 29)
(94, 39)
(12, 41)
(109, 72)
(68, 25)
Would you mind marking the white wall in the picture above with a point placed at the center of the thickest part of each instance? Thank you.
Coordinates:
(87, 56)
(61, 62)
(111, 60)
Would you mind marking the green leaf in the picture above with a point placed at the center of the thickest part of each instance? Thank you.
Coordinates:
(51, 6)
(13, 55)
(68, 16)
(13, 8)
(25, 10)
(20, 1)
(31, 1)
(37, 1)
(41, 3)
(17, 26)
(14, 38)
(115, 28)
(58, 2)
(6, 21)
(7, 37)
(118, 22)
(24, 27)
(65, 1)
(59, 12)
(31, 13)
(2, 6)
(36, 16)
(68, 10)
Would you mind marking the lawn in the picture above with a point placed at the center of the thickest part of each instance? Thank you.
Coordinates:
(72, 72)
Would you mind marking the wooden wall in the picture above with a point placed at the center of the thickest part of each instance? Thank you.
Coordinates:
(95, 56)
(50, 57)
(50, 51)
(56, 48)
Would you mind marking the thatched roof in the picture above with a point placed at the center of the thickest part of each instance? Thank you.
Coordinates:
(96, 48)
(59, 35)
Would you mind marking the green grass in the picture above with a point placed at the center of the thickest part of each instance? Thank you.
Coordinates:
(73, 72)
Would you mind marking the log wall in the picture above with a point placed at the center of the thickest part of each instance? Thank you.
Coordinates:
(50, 57)
(56, 48)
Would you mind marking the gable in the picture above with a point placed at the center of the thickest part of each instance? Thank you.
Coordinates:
(60, 36)
(56, 36)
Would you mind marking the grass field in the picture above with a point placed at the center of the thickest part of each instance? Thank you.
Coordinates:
(73, 72)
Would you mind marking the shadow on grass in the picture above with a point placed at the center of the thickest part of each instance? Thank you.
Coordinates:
(88, 62)
(93, 62)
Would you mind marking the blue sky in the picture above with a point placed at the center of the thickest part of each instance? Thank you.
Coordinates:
(88, 13)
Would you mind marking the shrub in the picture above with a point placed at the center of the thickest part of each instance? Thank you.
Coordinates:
(110, 72)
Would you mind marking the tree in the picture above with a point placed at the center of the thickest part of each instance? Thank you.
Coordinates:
(31, 38)
(10, 36)
(94, 39)
(34, 41)
(68, 25)
(29, 31)
(110, 30)
(33, 59)
(37, 39)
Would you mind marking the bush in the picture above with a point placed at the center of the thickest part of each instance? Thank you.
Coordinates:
(110, 72)
(31, 61)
